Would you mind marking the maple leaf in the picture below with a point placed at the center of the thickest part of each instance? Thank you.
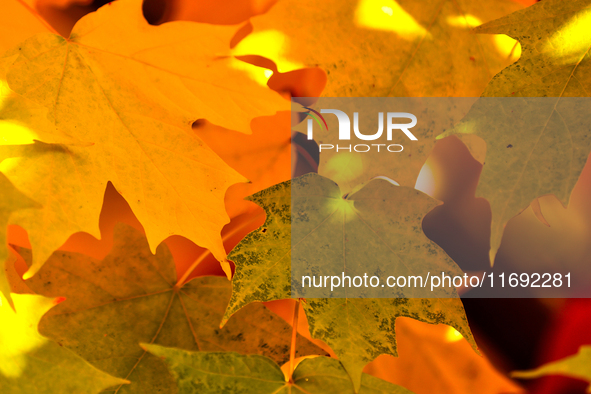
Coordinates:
(262, 258)
(130, 92)
(30, 363)
(12, 201)
(264, 157)
(576, 366)
(265, 258)
(130, 297)
(314, 229)
(369, 328)
(17, 23)
(534, 146)
(212, 373)
(20, 116)
(384, 48)
(555, 51)
(450, 358)
(170, 66)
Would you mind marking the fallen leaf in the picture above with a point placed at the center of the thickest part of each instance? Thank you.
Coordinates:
(130, 297)
(555, 57)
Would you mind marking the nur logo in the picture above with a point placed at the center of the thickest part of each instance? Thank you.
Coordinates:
(345, 129)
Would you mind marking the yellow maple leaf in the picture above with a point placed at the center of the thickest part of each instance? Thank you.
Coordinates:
(129, 92)
(264, 157)
(384, 47)
(18, 23)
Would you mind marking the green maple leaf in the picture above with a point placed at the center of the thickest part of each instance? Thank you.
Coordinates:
(212, 373)
(576, 366)
(388, 222)
(530, 153)
(30, 363)
(131, 297)
(263, 257)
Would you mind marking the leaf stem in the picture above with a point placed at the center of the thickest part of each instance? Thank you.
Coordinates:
(512, 50)
(294, 335)
(188, 272)
(38, 16)
(206, 252)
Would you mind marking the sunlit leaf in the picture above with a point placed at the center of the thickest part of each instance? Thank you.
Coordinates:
(385, 48)
(453, 366)
(529, 152)
(264, 157)
(17, 23)
(22, 121)
(130, 297)
(11, 201)
(30, 363)
(130, 91)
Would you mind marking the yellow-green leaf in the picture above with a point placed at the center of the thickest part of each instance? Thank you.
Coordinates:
(385, 48)
(30, 363)
(130, 297)
(380, 216)
(263, 257)
(360, 329)
(555, 42)
(576, 366)
(534, 147)
(213, 373)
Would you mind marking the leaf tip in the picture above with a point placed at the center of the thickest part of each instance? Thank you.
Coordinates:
(227, 268)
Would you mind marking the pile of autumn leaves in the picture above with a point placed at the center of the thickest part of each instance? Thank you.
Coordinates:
(115, 103)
